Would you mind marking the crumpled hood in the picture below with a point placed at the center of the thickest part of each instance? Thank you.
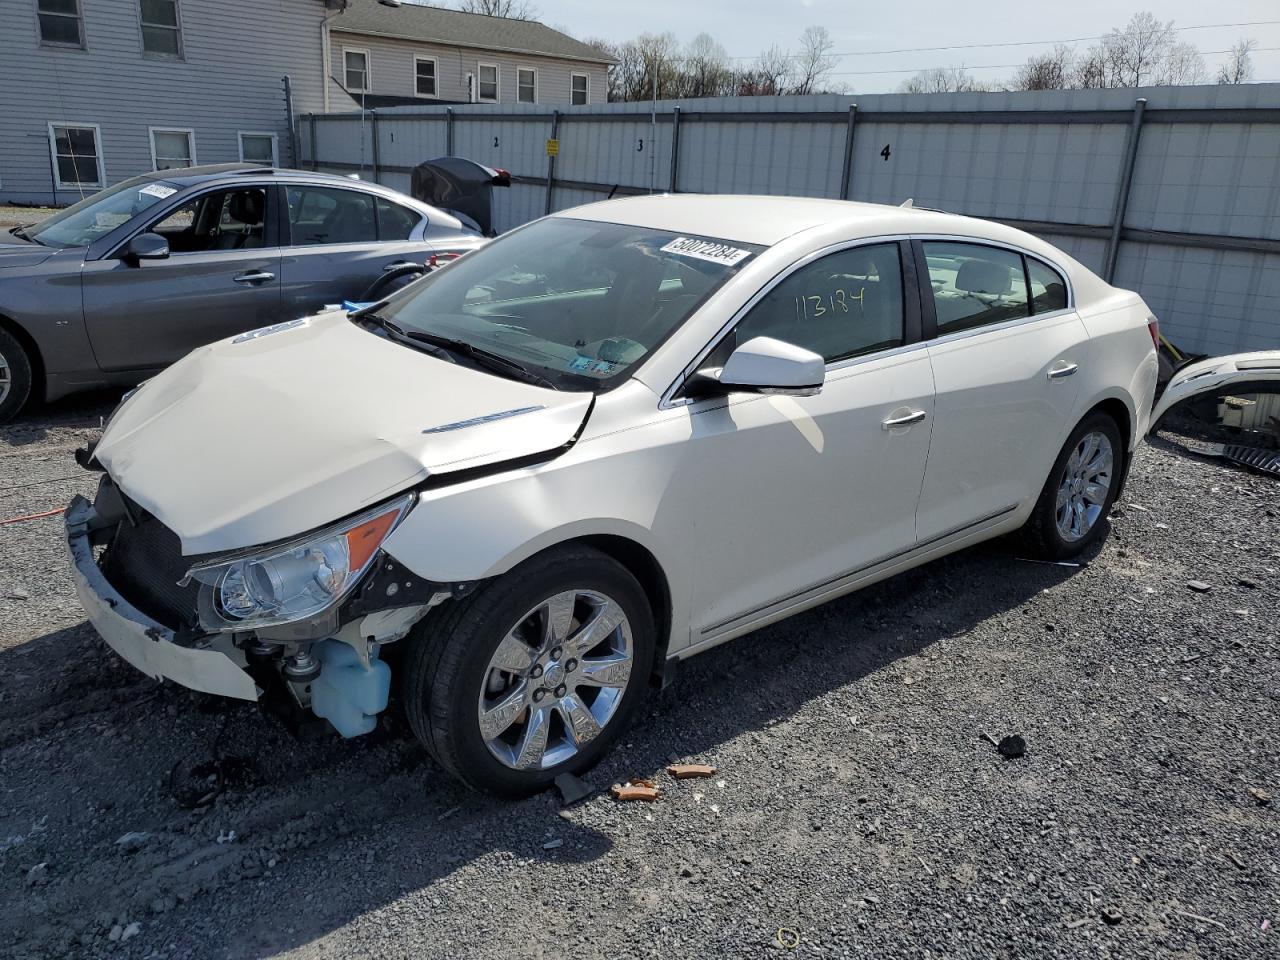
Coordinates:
(16, 252)
(254, 439)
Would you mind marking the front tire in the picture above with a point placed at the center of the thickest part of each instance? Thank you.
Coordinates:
(1070, 515)
(15, 376)
(536, 674)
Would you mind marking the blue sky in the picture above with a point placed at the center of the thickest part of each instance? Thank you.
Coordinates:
(745, 27)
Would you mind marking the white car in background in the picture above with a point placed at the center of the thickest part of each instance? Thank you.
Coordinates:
(613, 438)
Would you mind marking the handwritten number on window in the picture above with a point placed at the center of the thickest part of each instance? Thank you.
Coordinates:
(816, 306)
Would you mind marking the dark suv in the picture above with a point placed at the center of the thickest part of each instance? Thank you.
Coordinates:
(118, 286)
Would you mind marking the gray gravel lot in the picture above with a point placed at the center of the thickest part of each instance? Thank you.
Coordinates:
(857, 808)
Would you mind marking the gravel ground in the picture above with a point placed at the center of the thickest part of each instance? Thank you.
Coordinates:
(857, 811)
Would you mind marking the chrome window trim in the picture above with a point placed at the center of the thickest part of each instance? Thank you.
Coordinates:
(1001, 326)
(668, 396)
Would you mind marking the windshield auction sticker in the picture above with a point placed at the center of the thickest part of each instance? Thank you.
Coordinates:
(706, 250)
(158, 190)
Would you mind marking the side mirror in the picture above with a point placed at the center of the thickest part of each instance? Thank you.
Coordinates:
(765, 365)
(146, 246)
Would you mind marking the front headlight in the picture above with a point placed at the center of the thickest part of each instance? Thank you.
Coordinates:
(296, 580)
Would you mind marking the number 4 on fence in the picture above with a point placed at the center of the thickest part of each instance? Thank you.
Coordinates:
(885, 152)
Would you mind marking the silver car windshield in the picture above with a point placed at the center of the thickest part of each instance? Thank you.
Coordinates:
(98, 215)
(579, 301)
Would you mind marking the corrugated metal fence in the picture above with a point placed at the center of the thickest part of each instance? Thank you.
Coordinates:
(1171, 191)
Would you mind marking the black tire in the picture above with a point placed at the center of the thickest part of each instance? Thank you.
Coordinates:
(16, 365)
(1040, 535)
(449, 654)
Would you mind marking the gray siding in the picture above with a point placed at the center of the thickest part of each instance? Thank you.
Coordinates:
(235, 53)
(391, 71)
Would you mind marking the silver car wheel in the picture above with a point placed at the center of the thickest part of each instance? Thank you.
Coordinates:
(1086, 481)
(6, 378)
(556, 680)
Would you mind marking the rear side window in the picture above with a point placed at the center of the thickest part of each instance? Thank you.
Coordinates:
(321, 215)
(843, 305)
(394, 221)
(974, 285)
(1048, 288)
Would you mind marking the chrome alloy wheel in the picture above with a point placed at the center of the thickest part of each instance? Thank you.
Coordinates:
(556, 679)
(6, 378)
(1086, 481)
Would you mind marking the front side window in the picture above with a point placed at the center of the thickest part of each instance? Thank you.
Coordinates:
(579, 302)
(98, 215)
(488, 77)
(843, 305)
(61, 22)
(221, 220)
(258, 148)
(1048, 289)
(161, 31)
(75, 155)
(394, 221)
(527, 85)
(356, 65)
(324, 215)
(579, 89)
(424, 76)
(172, 148)
(975, 285)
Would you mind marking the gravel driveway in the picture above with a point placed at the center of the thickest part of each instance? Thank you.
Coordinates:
(857, 811)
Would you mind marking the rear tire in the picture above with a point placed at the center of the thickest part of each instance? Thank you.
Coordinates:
(15, 376)
(1070, 515)
(504, 701)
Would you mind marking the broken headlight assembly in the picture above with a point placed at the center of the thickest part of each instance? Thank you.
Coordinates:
(295, 580)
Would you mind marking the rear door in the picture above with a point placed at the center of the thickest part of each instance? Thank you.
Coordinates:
(339, 241)
(1007, 348)
(221, 278)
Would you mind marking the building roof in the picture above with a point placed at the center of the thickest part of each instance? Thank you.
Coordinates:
(411, 21)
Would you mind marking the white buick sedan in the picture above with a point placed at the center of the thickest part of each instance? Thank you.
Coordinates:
(531, 482)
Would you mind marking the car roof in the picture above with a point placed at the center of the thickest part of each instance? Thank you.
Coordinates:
(769, 220)
(194, 176)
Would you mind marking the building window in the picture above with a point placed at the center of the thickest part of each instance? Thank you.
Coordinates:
(76, 156)
(356, 67)
(60, 22)
(172, 148)
(258, 148)
(161, 32)
(488, 87)
(579, 89)
(424, 76)
(527, 85)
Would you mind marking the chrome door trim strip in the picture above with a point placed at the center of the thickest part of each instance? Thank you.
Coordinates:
(738, 619)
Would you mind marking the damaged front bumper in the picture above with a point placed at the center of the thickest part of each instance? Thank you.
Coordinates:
(214, 665)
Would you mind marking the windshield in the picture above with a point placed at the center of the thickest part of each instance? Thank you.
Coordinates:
(577, 301)
(98, 215)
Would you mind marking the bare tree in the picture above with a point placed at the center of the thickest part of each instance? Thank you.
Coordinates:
(613, 75)
(1046, 71)
(1239, 65)
(942, 80)
(648, 58)
(704, 69)
(511, 9)
(814, 63)
(1182, 65)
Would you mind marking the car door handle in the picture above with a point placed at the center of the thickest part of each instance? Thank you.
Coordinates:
(254, 278)
(903, 419)
(1063, 368)
(399, 264)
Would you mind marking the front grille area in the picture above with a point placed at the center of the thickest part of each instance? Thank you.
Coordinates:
(145, 562)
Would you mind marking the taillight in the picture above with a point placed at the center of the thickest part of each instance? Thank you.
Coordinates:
(1153, 327)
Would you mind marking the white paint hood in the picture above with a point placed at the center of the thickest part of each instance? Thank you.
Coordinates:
(248, 441)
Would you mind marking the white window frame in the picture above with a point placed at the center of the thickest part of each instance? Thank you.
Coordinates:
(275, 144)
(191, 142)
(97, 143)
(82, 45)
(435, 74)
(534, 71)
(368, 70)
(142, 36)
(574, 76)
(497, 83)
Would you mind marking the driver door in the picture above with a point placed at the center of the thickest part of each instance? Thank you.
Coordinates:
(795, 493)
(221, 278)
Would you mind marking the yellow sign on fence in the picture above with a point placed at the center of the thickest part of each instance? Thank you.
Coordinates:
(553, 148)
